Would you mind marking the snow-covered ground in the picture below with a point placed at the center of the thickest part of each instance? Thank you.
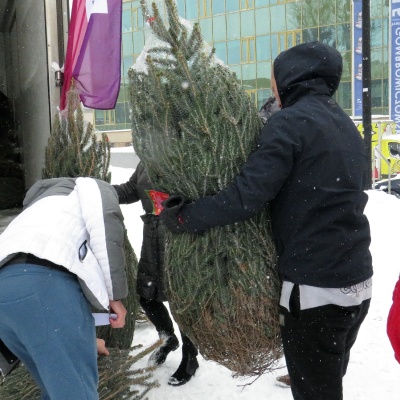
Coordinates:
(373, 373)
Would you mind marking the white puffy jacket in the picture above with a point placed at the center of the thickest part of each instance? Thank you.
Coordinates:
(76, 223)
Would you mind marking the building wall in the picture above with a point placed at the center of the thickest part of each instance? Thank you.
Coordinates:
(29, 46)
(249, 34)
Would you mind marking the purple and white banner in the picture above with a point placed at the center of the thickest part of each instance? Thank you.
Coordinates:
(93, 56)
(394, 102)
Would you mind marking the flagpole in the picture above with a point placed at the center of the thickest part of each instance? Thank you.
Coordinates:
(366, 80)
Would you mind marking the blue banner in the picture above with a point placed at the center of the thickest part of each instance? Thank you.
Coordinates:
(395, 63)
(357, 57)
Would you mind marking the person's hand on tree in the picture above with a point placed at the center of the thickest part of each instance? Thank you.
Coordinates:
(101, 347)
(170, 215)
(119, 309)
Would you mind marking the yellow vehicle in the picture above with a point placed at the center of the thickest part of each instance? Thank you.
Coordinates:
(385, 147)
(390, 149)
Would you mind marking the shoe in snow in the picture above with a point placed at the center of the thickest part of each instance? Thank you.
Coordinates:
(185, 371)
(158, 357)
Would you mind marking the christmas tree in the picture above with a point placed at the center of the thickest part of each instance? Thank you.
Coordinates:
(117, 380)
(193, 127)
(73, 151)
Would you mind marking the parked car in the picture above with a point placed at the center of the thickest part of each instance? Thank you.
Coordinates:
(394, 186)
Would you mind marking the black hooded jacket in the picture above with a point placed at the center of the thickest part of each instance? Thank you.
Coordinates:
(150, 279)
(310, 166)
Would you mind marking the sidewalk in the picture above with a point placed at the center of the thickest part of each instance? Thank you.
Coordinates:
(6, 216)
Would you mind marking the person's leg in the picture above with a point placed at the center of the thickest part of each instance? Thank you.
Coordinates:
(188, 365)
(159, 316)
(316, 348)
(48, 316)
(359, 316)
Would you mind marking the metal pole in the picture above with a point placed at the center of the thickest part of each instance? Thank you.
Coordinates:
(366, 79)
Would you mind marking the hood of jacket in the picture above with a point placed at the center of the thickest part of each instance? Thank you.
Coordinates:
(307, 69)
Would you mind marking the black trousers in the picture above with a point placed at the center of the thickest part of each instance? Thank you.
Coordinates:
(159, 316)
(316, 344)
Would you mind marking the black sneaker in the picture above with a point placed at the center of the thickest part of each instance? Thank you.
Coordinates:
(158, 357)
(185, 371)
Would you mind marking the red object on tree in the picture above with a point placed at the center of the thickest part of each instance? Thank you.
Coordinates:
(393, 322)
(157, 198)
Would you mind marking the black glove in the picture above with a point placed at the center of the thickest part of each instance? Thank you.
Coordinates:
(170, 215)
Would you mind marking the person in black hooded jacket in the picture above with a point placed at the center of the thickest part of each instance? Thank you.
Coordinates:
(150, 279)
(310, 166)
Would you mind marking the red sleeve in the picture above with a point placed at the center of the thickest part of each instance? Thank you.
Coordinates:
(393, 322)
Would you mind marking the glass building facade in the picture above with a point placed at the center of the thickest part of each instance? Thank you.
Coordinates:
(247, 36)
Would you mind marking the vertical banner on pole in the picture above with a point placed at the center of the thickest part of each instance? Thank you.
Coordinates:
(357, 57)
(394, 84)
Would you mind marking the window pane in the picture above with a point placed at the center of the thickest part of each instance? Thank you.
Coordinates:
(126, 21)
(344, 95)
(310, 35)
(206, 29)
(120, 113)
(180, 4)
(376, 33)
(385, 28)
(219, 28)
(246, 4)
(231, 5)
(346, 74)
(244, 51)
(376, 93)
(232, 26)
(326, 12)
(262, 21)
(237, 70)
(278, 20)
(290, 41)
(264, 75)
(127, 44)
(343, 14)
(127, 5)
(99, 117)
(376, 8)
(327, 35)
(218, 6)
(263, 45)
(138, 41)
(310, 16)
(220, 51)
(233, 48)
(274, 46)
(343, 37)
(191, 9)
(282, 42)
(385, 90)
(376, 63)
(127, 63)
(252, 50)
(385, 63)
(293, 16)
(247, 23)
(262, 96)
(249, 76)
(261, 3)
